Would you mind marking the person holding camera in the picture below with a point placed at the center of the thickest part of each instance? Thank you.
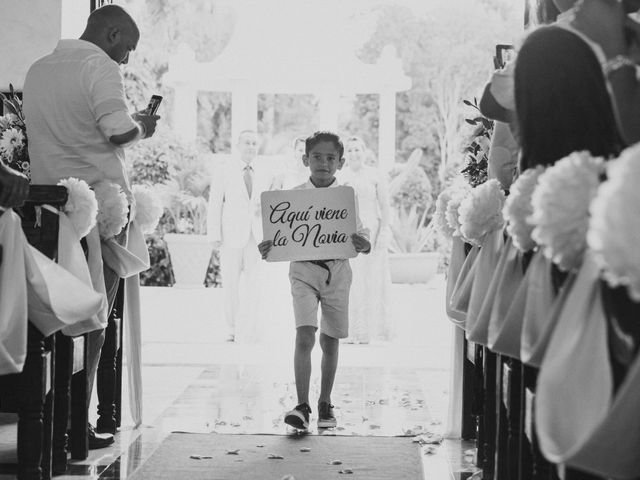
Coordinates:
(606, 23)
(79, 124)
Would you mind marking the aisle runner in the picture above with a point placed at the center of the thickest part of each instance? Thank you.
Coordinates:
(373, 458)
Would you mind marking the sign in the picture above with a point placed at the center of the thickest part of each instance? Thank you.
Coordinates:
(309, 224)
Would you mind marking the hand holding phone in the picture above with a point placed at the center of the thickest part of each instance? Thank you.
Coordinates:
(154, 104)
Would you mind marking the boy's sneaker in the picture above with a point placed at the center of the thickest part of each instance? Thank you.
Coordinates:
(326, 418)
(298, 417)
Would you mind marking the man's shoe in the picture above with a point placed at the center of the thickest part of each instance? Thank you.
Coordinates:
(106, 426)
(326, 418)
(98, 440)
(298, 417)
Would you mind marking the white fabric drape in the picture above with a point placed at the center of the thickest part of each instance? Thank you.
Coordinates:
(13, 295)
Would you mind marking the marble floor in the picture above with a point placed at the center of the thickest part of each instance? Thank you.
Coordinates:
(199, 383)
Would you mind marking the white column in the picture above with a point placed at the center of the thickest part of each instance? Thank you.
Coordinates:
(185, 111)
(329, 109)
(244, 111)
(387, 130)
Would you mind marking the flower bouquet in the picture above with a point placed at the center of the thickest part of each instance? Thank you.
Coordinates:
(13, 134)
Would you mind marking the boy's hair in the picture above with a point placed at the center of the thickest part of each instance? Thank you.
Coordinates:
(323, 136)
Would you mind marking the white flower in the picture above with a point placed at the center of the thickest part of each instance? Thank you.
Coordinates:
(560, 204)
(481, 211)
(8, 120)
(517, 209)
(614, 229)
(11, 140)
(148, 208)
(440, 216)
(451, 213)
(112, 209)
(81, 206)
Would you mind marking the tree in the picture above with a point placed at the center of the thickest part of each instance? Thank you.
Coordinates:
(446, 49)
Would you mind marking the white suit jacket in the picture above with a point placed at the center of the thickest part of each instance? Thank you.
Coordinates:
(232, 215)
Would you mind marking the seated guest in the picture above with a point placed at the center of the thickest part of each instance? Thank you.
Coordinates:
(562, 102)
(605, 23)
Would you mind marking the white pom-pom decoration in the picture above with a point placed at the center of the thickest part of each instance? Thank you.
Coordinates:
(560, 204)
(148, 208)
(614, 228)
(481, 211)
(440, 216)
(112, 209)
(451, 214)
(81, 206)
(517, 209)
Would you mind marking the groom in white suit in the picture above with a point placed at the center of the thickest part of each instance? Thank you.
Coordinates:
(235, 223)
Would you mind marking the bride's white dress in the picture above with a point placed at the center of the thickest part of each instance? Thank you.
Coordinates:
(369, 310)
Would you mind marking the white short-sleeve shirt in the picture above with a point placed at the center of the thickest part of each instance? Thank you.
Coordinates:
(73, 102)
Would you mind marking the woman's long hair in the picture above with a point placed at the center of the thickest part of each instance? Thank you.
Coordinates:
(562, 102)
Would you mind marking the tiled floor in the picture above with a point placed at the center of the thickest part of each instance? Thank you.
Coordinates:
(198, 383)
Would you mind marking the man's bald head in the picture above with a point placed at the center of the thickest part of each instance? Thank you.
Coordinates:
(112, 29)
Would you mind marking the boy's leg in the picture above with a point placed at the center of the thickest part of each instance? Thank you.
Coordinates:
(305, 339)
(329, 365)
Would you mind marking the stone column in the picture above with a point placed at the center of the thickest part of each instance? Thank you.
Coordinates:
(329, 106)
(244, 110)
(185, 111)
(387, 130)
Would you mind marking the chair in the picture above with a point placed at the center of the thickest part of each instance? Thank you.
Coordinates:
(30, 393)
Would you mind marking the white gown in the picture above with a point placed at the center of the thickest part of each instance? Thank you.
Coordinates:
(369, 299)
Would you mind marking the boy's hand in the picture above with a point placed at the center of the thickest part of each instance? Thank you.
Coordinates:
(360, 243)
(265, 247)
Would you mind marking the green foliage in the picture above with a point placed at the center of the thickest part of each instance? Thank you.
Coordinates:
(415, 190)
(160, 273)
(475, 170)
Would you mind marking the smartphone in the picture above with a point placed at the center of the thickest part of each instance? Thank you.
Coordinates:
(504, 53)
(154, 103)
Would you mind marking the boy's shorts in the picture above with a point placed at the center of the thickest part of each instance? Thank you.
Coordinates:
(308, 287)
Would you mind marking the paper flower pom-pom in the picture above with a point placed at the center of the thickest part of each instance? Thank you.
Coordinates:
(452, 217)
(614, 229)
(517, 209)
(561, 207)
(148, 208)
(481, 211)
(81, 206)
(112, 209)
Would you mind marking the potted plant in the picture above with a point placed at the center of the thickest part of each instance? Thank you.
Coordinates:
(185, 197)
(411, 201)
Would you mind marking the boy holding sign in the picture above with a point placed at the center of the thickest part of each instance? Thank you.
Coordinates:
(326, 281)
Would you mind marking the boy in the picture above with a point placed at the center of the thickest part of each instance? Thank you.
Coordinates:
(326, 281)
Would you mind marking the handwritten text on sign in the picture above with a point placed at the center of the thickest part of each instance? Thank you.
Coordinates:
(309, 224)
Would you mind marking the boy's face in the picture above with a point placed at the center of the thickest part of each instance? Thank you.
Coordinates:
(323, 160)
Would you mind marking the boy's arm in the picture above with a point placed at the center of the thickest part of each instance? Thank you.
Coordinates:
(265, 247)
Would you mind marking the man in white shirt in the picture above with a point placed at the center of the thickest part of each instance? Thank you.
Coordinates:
(78, 125)
(235, 223)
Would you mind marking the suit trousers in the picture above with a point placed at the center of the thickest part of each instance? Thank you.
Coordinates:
(95, 339)
(238, 266)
